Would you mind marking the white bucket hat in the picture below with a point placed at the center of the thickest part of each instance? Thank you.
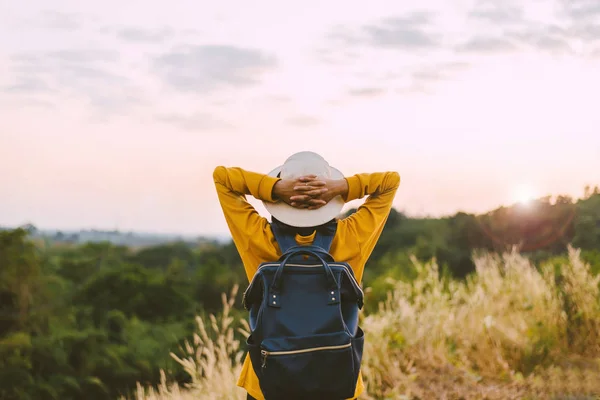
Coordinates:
(301, 164)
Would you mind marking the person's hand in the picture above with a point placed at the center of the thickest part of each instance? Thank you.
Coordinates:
(308, 187)
(308, 197)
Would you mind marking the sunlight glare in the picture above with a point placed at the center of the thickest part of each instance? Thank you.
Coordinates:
(523, 194)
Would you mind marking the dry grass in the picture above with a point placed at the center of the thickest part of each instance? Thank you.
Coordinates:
(511, 331)
(213, 361)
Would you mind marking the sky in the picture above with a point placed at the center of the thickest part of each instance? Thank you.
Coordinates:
(114, 114)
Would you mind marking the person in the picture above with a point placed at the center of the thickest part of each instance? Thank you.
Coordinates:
(302, 194)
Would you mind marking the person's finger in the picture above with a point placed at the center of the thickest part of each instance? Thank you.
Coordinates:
(302, 188)
(312, 186)
(316, 192)
(311, 193)
(316, 182)
(304, 196)
(306, 188)
(310, 182)
(311, 204)
(305, 201)
(314, 204)
(300, 198)
(307, 178)
(299, 204)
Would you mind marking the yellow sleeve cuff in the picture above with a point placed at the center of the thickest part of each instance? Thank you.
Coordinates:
(354, 188)
(265, 188)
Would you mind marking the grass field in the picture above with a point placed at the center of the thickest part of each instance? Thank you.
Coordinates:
(512, 330)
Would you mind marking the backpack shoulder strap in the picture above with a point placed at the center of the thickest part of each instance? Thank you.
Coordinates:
(324, 238)
(284, 239)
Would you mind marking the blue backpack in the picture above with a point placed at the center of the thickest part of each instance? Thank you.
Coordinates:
(305, 341)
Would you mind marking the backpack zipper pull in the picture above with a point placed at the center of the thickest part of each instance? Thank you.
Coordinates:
(264, 359)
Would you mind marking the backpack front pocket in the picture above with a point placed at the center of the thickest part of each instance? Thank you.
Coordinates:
(308, 367)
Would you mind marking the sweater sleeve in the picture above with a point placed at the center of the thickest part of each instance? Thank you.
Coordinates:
(368, 221)
(233, 184)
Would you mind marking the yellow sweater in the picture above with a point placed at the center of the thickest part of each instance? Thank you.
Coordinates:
(353, 243)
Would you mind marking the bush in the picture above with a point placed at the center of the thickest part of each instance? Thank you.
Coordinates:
(510, 330)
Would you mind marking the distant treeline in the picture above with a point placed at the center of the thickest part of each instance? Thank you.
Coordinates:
(89, 321)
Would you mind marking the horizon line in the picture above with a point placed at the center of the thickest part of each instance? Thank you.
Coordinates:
(412, 215)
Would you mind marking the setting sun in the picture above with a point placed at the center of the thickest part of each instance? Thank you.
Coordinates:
(523, 194)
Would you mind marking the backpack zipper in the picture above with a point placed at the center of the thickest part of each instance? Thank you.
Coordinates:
(350, 274)
(266, 353)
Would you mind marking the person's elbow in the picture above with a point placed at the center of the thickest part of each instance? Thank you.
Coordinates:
(220, 174)
(393, 180)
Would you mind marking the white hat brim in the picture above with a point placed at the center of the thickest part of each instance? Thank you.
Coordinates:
(303, 218)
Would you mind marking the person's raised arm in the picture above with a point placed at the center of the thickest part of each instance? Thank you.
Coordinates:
(368, 221)
(233, 185)
(244, 222)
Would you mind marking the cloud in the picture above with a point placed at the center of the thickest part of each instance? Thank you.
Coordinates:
(28, 84)
(413, 31)
(207, 68)
(487, 44)
(366, 92)
(581, 9)
(578, 23)
(61, 21)
(394, 35)
(303, 121)
(138, 35)
(546, 38)
(85, 74)
(497, 13)
(588, 32)
(199, 121)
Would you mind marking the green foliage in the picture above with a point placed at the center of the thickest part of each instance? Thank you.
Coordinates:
(90, 321)
(86, 322)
